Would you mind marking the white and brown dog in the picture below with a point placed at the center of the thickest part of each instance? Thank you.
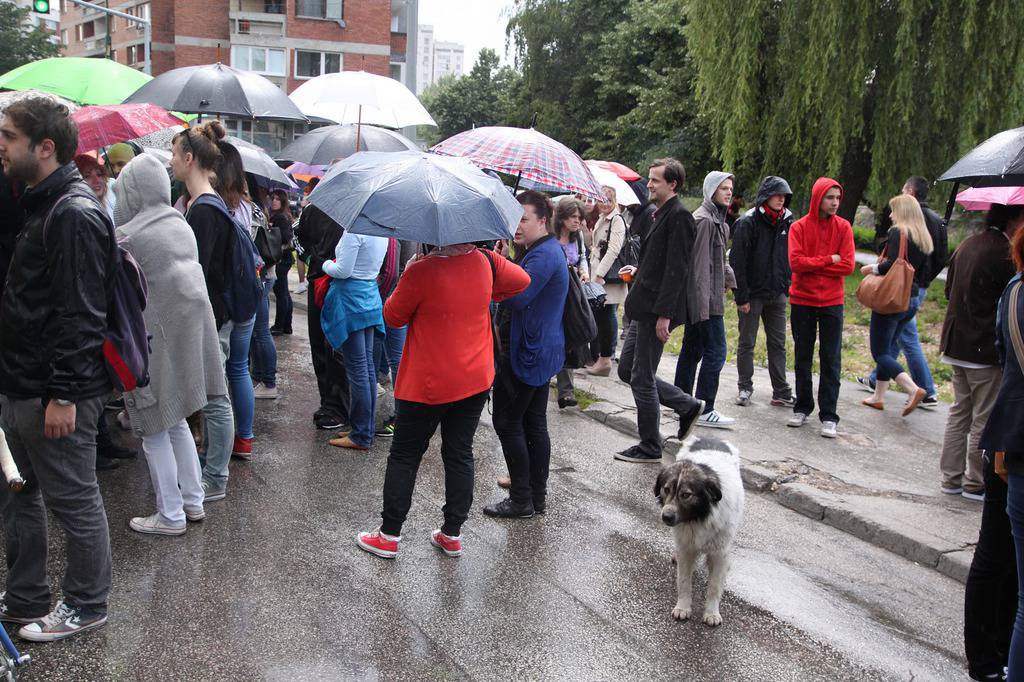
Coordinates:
(701, 498)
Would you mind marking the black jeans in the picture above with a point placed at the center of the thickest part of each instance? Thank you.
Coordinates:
(638, 367)
(331, 379)
(415, 424)
(990, 600)
(808, 323)
(607, 329)
(283, 297)
(521, 422)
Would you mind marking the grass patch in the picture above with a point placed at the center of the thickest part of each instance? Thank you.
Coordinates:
(856, 348)
(584, 399)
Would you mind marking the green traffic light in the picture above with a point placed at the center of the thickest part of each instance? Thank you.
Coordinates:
(41, 6)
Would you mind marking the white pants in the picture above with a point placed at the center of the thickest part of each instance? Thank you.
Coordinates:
(174, 468)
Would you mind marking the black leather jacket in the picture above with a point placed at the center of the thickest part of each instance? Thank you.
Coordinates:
(53, 315)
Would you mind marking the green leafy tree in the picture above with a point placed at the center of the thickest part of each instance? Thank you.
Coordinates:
(867, 91)
(487, 95)
(22, 44)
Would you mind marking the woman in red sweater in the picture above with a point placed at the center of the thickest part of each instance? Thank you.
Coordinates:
(447, 372)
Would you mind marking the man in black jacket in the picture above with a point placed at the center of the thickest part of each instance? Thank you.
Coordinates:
(908, 341)
(655, 304)
(760, 260)
(53, 375)
(318, 236)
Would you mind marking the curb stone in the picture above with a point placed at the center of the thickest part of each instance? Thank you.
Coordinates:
(952, 561)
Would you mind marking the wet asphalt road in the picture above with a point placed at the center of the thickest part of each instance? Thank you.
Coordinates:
(272, 587)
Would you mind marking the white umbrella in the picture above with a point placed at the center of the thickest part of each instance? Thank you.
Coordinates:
(624, 194)
(359, 97)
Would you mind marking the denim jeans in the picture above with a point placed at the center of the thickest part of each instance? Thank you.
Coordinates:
(521, 421)
(264, 352)
(703, 343)
(1015, 510)
(885, 332)
(283, 297)
(990, 599)
(607, 329)
(61, 476)
(243, 399)
(415, 425)
(331, 382)
(808, 323)
(218, 426)
(387, 350)
(357, 352)
(638, 367)
(910, 344)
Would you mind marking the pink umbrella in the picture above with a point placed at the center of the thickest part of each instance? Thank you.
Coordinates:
(305, 169)
(525, 153)
(623, 171)
(104, 125)
(982, 198)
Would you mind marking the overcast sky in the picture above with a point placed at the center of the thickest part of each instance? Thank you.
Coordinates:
(474, 23)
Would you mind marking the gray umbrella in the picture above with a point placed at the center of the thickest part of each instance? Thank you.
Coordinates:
(323, 145)
(996, 162)
(218, 90)
(259, 163)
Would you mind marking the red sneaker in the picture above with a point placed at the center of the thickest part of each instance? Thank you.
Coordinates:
(384, 546)
(242, 448)
(447, 544)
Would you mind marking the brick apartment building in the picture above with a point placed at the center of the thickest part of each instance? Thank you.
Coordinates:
(288, 41)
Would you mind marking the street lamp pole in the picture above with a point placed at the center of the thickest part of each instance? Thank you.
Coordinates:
(147, 29)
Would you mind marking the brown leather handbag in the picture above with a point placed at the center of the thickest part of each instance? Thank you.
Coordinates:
(889, 293)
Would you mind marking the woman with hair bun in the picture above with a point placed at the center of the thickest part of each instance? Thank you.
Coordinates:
(194, 157)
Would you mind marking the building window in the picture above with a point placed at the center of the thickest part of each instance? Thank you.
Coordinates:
(64, 37)
(273, 6)
(319, 9)
(263, 60)
(313, 64)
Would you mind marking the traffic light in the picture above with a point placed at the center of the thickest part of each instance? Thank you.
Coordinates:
(41, 6)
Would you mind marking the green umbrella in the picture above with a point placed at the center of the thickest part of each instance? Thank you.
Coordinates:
(85, 80)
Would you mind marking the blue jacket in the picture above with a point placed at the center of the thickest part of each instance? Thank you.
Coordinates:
(537, 343)
(1004, 429)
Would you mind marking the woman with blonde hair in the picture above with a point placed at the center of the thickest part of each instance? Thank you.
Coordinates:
(907, 224)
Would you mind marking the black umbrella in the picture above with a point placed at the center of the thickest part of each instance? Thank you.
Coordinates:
(320, 146)
(218, 90)
(996, 162)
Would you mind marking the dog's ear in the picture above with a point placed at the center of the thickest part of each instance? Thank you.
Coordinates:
(660, 482)
(712, 486)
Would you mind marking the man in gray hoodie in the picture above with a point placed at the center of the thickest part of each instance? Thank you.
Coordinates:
(710, 276)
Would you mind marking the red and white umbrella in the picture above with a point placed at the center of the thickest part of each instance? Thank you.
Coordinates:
(526, 153)
(621, 170)
(982, 198)
(104, 125)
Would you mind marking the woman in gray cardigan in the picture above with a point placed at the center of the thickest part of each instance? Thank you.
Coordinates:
(185, 362)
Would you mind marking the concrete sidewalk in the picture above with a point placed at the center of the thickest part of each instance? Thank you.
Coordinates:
(879, 480)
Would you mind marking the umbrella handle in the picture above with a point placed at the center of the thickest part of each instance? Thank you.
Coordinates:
(950, 204)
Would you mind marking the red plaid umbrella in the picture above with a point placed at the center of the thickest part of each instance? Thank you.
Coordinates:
(523, 152)
(101, 126)
(623, 171)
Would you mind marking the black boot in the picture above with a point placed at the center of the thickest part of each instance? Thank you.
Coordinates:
(507, 509)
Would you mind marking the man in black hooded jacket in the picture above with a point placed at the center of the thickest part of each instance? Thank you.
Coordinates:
(760, 261)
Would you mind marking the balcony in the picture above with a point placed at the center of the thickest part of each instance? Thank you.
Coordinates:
(245, 24)
(259, 6)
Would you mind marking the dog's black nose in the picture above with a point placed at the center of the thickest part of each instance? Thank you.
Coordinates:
(669, 518)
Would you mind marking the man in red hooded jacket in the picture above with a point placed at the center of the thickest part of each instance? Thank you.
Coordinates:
(820, 256)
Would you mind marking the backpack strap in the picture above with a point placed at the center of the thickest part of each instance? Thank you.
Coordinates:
(1014, 322)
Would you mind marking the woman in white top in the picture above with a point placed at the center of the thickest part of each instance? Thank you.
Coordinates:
(609, 236)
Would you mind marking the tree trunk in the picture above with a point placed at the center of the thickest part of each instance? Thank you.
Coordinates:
(856, 167)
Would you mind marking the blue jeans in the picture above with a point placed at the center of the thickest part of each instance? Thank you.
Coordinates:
(1015, 510)
(357, 353)
(264, 352)
(704, 343)
(387, 350)
(885, 331)
(908, 342)
(243, 400)
(218, 427)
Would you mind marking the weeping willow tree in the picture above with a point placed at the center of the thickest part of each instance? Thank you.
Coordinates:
(866, 91)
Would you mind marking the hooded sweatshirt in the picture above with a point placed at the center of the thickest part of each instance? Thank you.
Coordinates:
(760, 246)
(185, 363)
(817, 281)
(710, 274)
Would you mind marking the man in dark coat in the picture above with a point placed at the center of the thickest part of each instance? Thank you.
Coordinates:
(978, 273)
(760, 261)
(908, 341)
(655, 304)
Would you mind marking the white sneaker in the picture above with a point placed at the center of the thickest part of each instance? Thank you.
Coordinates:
(951, 490)
(265, 392)
(301, 289)
(828, 430)
(797, 420)
(155, 526)
(743, 399)
(715, 420)
(123, 421)
(194, 514)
